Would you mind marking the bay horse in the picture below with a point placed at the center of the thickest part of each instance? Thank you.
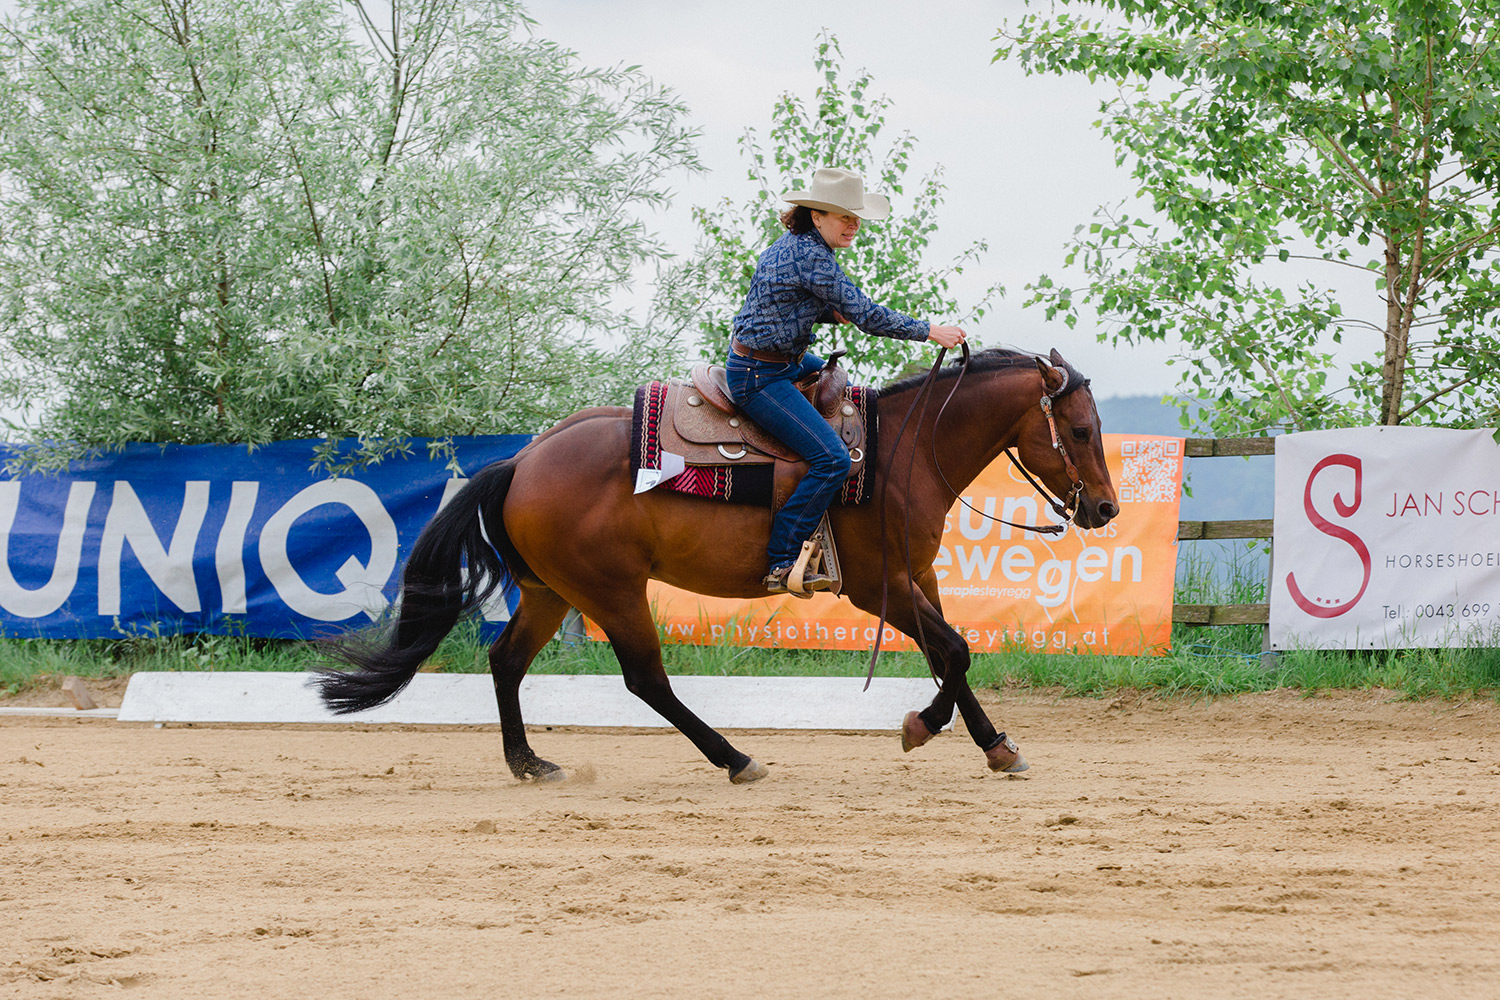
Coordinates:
(562, 519)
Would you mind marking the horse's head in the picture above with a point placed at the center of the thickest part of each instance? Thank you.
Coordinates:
(1061, 442)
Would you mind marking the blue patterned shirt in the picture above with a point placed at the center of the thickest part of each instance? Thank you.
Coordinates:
(798, 283)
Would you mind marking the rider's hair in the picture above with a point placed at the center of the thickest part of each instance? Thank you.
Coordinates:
(798, 219)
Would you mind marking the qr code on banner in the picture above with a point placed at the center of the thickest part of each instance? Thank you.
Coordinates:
(1152, 471)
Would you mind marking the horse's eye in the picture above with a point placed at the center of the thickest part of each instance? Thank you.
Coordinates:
(1080, 434)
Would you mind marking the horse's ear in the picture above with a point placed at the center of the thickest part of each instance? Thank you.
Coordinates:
(1052, 379)
(1057, 359)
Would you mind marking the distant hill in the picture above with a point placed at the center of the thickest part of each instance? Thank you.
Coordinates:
(1222, 488)
(1140, 415)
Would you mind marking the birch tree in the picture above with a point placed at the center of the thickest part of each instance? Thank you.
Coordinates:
(1275, 144)
(844, 125)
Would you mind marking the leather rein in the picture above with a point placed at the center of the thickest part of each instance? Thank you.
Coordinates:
(1064, 507)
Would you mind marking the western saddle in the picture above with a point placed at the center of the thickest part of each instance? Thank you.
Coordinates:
(702, 424)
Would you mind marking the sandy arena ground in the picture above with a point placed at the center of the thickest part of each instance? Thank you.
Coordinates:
(1263, 846)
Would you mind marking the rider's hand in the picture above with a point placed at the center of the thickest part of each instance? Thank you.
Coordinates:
(946, 336)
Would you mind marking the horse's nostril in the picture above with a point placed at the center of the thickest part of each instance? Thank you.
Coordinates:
(1108, 510)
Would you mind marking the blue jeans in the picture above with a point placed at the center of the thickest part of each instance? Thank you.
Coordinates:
(764, 390)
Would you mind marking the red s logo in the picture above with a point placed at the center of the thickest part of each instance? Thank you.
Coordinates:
(1327, 527)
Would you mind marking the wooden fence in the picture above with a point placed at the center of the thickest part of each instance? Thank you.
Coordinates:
(1224, 614)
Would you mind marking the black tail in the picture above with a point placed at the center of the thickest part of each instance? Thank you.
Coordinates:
(450, 573)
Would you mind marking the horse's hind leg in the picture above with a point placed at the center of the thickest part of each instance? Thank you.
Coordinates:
(536, 620)
(638, 648)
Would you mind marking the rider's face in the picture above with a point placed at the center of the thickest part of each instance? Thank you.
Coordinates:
(837, 229)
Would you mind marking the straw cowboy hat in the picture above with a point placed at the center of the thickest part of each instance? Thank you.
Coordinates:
(835, 190)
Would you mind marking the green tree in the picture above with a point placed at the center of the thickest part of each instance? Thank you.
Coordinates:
(1353, 134)
(842, 127)
(247, 220)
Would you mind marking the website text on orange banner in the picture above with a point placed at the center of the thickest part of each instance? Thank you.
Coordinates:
(1055, 637)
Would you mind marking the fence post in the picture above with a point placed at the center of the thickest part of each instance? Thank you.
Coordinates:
(1269, 658)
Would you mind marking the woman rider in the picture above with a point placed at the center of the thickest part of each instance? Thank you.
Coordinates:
(798, 283)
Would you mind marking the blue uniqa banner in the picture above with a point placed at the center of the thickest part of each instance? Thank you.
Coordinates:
(219, 539)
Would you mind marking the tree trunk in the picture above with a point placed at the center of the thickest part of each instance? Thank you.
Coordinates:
(1397, 333)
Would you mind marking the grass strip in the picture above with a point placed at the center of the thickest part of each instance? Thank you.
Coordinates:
(1194, 668)
(1217, 661)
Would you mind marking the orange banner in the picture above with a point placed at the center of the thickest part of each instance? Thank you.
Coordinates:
(1108, 590)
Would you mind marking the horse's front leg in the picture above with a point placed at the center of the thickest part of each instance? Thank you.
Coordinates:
(948, 657)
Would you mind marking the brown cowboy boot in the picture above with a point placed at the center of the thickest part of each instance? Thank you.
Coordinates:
(775, 582)
(804, 576)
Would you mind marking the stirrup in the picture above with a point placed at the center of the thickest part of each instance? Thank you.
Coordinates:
(816, 568)
(828, 555)
(806, 574)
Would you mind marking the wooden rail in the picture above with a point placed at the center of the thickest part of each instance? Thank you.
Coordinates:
(1193, 531)
(1224, 614)
(1209, 447)
(1221, 614)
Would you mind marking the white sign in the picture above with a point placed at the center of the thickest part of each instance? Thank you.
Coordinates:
(1386, 538)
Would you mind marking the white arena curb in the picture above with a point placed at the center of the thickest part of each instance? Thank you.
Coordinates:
(546, 699)
(60, 713)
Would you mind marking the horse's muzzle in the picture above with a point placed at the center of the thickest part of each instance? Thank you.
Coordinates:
(1093, 513)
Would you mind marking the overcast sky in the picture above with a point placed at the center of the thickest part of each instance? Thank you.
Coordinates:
(1022, 164)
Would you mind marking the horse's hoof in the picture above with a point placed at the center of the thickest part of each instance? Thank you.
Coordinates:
(1005, 756)
(541, 772)
(914, 732)
(752, 771)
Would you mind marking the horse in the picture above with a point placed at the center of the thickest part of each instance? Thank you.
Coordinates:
(561, 519)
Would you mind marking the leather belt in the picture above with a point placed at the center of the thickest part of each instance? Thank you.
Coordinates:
(773, 357)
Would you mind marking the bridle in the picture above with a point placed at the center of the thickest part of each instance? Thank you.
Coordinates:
(1065, 507)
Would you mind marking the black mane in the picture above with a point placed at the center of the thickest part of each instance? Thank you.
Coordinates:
(994, 359)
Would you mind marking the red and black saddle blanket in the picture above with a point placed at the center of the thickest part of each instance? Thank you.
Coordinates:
(733, 482)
